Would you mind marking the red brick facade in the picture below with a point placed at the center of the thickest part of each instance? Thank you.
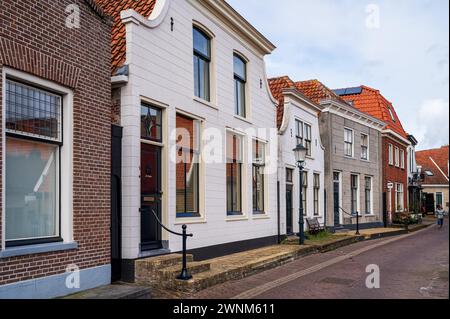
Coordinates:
(34, 39)
(394, 174)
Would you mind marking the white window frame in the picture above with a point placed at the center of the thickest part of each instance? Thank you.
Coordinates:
(66, 152)
(391, 154)
(396, 197)
(352, 143)
(397, 156)
(358, 194)
(368, 146)
(371, 195)
(402, 159)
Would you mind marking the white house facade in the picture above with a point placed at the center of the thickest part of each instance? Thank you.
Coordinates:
(298, 120)
(197, 118)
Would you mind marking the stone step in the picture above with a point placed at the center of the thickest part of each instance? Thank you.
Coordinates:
(194, 268)
(147, 270)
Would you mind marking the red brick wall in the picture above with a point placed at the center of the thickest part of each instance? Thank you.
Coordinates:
(394, 174)
(34, 39)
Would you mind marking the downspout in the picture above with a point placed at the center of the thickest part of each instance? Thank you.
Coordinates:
(278, 213)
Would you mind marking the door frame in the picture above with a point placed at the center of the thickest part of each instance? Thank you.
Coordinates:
(291, 186)
(341, 220)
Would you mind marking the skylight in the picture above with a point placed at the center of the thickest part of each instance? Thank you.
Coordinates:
(429, 173)
(391, 113)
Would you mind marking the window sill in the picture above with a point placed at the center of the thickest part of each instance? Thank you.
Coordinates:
(258, 216)
(206, 103)
(349, 157)
(243, 119)
(37, 249)
(237, 218)
(189, 221)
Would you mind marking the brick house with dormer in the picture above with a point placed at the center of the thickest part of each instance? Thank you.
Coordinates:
(395, 144)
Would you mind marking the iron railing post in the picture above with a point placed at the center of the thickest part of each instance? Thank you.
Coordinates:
(184, 272)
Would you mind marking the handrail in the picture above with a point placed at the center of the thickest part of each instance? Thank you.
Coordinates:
(352, 215)
(167, 229)
(184, 272)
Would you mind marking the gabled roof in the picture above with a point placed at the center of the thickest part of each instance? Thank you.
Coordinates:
(277, 85)
(371, 101)
(113, 8)
(316, 91)
(435, 161)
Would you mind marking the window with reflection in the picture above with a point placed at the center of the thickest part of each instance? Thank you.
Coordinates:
(151, 123)
(240, 80)
(187, 167)
(33, 140)
(202, 62)
(305, 193)
(234, 173)
(316, 194)
(258, 176)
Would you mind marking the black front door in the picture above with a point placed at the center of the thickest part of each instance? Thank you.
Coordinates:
(336, 198)
(116, 204)
(429, 203)
(289, 215)
(150, 197)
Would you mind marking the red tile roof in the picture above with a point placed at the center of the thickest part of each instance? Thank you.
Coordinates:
(371, 101)
(113, 8)
(436, 161)
(277, 85)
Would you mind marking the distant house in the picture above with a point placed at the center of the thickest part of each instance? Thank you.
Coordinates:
(434, 174)
(413, 176)
(298, 123)
(352, 142)
(395, 144)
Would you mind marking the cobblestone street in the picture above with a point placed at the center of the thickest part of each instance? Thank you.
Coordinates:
(411, 266)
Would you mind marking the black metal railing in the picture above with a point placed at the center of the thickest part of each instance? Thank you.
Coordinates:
(353, 215)
(184, 275)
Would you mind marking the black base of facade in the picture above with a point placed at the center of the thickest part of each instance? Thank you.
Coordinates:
(205, 253)
(361, 226)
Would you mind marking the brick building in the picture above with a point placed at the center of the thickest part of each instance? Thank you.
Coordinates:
(55, 147)
(394, 144)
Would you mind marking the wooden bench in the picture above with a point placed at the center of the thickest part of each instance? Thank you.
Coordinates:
(314, 226)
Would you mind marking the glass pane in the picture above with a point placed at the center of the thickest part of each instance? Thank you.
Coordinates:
(203, 79)
(258, 189)
(234, 148)
(32, 111)
(202, 43)
(192, 187)
(196, 77)
(31, 190)
(151, 120)
(234, 188)
(239, 68)
(258, 152)
(240, 97)
(188, 133)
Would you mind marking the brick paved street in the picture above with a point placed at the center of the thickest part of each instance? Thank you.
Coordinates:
(415, 266)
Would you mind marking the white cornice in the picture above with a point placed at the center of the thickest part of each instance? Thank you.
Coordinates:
(435, 164)
(390, 132)
(353, 114)
(236, 22)
(156, 17)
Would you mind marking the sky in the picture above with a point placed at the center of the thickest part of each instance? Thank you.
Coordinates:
(400, 47)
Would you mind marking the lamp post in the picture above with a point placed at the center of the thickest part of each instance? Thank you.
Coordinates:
(300, 155)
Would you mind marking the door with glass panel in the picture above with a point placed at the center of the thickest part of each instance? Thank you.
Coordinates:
(151, 183)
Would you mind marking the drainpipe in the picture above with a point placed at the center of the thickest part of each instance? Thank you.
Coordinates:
(278, 212)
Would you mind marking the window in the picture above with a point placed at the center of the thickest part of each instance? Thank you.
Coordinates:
(240, 80)
(316, 194)
(402, 159)
(234, 174)
(391, 114)
(439, 199)
(368, 195)
(303, 135)
(429, 173)
(354, 193)
(364, 147)
(305, 193)
(187, 167)
(399, 198)
(391, 155)
(33, 144)
(258, 176)
(397, 157)
(289, 175)
(202, 61)
(348, 142)
(151, 121)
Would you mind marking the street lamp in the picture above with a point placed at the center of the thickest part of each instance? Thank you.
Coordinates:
(300, 156)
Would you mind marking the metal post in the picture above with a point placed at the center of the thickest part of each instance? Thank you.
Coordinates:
(300, 219)
(357, 223)
(184, 272)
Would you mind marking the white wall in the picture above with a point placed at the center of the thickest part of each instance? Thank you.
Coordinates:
(314, 164)
(161, 70)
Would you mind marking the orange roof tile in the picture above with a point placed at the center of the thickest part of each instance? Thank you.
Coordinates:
(371, 101)
(277, 85)
(113, 8)
(430, 160)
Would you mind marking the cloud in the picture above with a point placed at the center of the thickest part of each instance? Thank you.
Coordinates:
(406, 58)
(432, 128)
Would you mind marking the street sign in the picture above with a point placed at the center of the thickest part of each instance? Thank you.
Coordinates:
(390, 185)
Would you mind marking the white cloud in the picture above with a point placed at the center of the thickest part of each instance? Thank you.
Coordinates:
(407, 58)
(432, 124)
